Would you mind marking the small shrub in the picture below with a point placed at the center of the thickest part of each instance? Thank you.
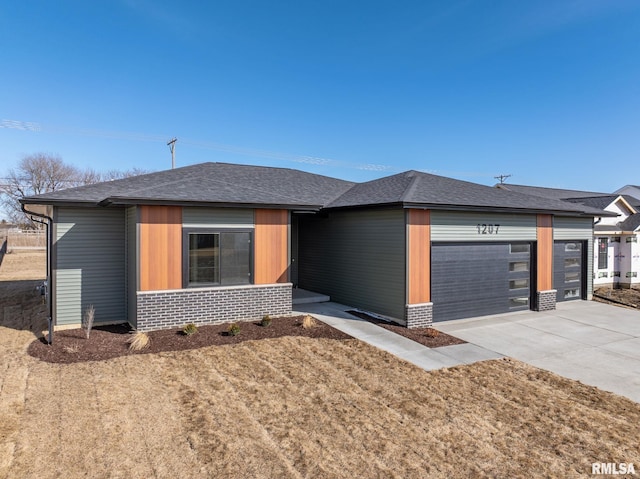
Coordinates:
(189, 329)
(431, 333)
(308, 322)
(233, 329)
(266, 320)
(87, 319)
(139, 341)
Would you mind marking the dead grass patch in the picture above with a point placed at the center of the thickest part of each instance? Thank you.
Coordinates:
(23, 265)
(307, 407)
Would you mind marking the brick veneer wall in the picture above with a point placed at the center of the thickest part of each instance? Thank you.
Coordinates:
(418, 315)
(170, 309)
(546, 300)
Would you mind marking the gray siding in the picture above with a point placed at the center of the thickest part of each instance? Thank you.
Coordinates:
(89, 267)
(131, 228)
(357, 258)
(571, 228)
(217, 217)
(463, 226)
(568, 228)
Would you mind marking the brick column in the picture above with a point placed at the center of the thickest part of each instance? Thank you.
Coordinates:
(418, 315)
(546, 300)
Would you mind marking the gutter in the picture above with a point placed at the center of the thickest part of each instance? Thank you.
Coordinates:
(48, 223)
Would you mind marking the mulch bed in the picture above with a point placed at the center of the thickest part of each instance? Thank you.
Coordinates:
(419, 335)
(107, 342)
(629, 298)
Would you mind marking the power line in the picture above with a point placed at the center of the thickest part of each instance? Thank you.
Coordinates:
(502, 178)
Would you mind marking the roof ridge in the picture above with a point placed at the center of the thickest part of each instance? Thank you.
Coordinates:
(415, 179)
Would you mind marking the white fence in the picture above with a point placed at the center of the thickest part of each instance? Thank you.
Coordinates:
(26, 239)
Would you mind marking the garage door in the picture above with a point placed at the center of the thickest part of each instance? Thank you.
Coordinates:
(568, 273)
(479, 279)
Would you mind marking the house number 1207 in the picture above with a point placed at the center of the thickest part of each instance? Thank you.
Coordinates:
(487, 229)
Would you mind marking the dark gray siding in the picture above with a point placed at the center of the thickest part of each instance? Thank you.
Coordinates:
(89, 269)
(357, 258)
(131, 228)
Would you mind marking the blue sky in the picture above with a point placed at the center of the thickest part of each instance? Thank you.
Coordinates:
(547, 91)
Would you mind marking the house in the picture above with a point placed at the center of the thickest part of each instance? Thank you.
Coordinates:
(616, 238)
(629, 190)
(218, 242)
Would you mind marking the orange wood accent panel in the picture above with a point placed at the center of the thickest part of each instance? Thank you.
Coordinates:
(419, 261)
(545, 252)
(271, 247)
(160, 247)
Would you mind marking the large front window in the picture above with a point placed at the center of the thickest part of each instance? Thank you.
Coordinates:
(218, 258)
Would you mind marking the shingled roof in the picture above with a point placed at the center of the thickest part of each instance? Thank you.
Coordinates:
(602, 201)
(224, 184)
(552, 193)
(631, 223)
(424, 189)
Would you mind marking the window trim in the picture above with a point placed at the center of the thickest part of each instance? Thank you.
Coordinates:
(603, 257)
(208, 230)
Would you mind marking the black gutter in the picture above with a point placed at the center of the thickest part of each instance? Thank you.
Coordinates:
(48, 224)
(473, 208)
(124, 202)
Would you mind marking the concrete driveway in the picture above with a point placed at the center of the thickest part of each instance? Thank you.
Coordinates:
(594, 343)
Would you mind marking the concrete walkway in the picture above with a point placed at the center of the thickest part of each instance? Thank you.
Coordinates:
(591, 342)
(334, 314)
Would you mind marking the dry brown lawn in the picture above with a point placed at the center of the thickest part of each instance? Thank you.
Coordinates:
(23, 265)
(295, 408)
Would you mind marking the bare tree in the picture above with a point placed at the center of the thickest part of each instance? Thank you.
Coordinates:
(35, 174)
(43, 173)
(117, 174)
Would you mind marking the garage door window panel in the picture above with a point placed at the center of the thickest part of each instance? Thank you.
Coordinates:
(519, 283)
(519, 266)
(573, 293)
(519, 303)
(572, 263)
(515, 248)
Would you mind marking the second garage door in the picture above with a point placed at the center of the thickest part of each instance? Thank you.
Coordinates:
(568, 271)
(479, 279)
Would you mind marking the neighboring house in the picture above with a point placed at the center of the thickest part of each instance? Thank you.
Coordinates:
(218, 242)
(629, 190)
(616, 238)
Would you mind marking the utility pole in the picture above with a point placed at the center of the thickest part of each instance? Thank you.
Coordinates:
(172, 147)
(502, 178)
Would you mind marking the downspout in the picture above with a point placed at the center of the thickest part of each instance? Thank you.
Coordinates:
(48, 224)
